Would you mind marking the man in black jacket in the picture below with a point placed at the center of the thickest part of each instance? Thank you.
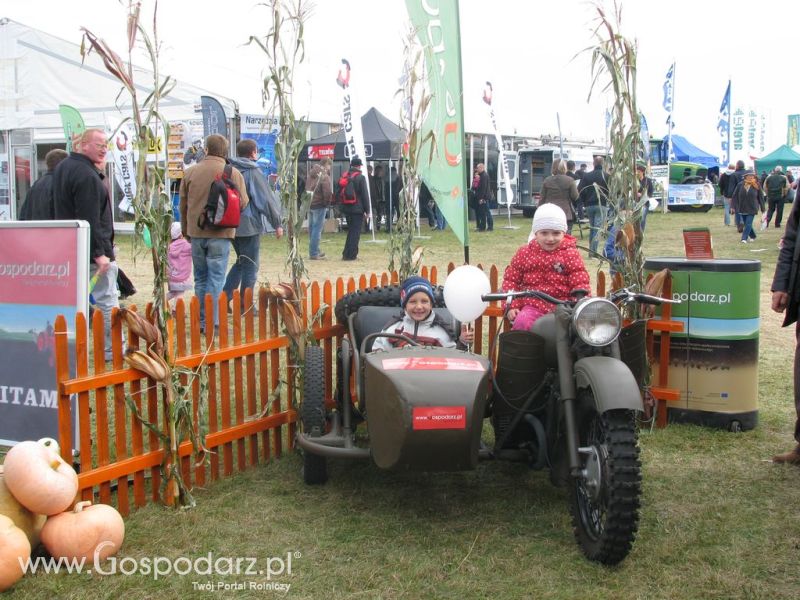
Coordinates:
(354, 213)
(786, 298)
(39, 204)
(483, 214)
(80, 192)
(595, 200)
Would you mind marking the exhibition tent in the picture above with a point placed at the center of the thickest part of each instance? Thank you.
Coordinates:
(783, 156)
(686, 151)
(383, 140)
(39, 71)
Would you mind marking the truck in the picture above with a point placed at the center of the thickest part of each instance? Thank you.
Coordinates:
(689, 188)
(529, 166)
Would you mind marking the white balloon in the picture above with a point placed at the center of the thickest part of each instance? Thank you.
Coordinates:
(462, 292)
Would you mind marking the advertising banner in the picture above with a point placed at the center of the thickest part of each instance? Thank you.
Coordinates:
(724, 127)
(351, 125)
(43, 273)
(793, 131)
(264, 131)
(124, 166)
(320, 152)
(687, 194)
(214, 120)
(508, 198)
(714, 360)
(445, 175)
(660, 176)
(72, 122)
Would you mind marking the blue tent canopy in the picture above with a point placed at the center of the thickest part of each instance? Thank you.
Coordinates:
(686, 151)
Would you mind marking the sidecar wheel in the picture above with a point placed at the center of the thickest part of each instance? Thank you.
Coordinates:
(605, 503)
(312, 414)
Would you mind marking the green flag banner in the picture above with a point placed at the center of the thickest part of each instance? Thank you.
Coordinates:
(793, 131)
(438, 30)
(72, 122)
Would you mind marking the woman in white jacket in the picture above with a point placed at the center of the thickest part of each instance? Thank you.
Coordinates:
(419, 322)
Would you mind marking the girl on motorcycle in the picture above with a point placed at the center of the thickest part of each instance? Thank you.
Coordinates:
(550, 263)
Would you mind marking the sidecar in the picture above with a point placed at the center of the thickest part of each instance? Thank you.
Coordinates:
(414, 408)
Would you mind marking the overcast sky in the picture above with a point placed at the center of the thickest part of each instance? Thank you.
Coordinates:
(530, 51)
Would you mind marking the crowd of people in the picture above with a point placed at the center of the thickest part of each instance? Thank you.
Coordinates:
(744, 195)
(75, 187)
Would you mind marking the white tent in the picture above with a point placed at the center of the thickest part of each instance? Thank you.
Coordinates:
(39, 71)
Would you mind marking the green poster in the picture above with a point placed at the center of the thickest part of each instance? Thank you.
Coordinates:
(72, 121)
(793, 131)
(438, 30)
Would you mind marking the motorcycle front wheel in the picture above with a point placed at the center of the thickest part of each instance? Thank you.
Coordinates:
(604, 501)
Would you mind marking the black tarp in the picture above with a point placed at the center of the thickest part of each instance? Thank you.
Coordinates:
(383, 140)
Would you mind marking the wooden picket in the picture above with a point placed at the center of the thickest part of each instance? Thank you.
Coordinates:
(249, 413)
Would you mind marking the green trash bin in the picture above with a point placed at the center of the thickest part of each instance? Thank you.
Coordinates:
(714, 361)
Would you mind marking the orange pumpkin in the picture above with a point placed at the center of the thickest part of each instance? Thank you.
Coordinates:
(83, 531)
(39, 478)
(29, 522)
(14, 546)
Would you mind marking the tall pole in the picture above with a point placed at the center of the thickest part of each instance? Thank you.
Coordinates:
(730, 119)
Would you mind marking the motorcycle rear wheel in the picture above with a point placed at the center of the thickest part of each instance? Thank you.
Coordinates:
(312, 414)
(605, 517)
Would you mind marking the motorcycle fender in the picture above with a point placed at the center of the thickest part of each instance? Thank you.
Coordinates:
(611, 381)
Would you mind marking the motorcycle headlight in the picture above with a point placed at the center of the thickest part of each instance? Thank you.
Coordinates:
(597, 321)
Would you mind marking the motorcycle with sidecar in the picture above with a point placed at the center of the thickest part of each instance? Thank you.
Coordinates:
(563, 396)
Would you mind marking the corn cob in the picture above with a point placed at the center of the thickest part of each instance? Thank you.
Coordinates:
(141, 327)
(146, 364)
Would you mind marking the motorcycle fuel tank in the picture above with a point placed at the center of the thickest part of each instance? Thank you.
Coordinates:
(425, 407)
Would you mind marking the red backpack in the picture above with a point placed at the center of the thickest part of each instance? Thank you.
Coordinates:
(223, 207)
(347, 189)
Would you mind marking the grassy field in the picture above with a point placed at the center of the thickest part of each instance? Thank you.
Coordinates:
(718, 519)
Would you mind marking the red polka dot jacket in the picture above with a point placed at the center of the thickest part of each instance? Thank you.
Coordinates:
(556, 273)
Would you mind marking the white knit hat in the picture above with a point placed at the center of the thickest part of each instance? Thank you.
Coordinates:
(175, 230)
(548, 216)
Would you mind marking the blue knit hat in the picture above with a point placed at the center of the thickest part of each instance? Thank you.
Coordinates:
(412, 285)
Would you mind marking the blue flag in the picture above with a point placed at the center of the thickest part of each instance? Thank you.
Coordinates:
(644, 134)
(724, 126)
(214, 120)
(669, 86)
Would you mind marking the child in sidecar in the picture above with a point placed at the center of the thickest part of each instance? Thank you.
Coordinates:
(419, 322)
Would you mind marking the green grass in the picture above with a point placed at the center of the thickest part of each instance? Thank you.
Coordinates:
(718, 520)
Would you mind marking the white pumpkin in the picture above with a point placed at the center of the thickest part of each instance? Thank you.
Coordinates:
(29, 522)
(14, 547)
(39, 478)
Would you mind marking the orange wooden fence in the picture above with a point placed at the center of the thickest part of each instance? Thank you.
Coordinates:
(249, 414)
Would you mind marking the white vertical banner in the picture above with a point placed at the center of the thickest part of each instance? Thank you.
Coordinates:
(501, 162)
(752, 131)
(351, 124)
(124, 165)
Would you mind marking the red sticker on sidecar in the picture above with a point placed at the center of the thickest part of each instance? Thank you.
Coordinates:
(439, 417)
(431, 363)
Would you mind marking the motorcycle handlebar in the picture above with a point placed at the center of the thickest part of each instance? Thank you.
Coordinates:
(623, 295)
(510, 295)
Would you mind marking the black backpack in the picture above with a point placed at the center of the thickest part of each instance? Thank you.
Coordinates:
(223, 207)
(347, 190)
